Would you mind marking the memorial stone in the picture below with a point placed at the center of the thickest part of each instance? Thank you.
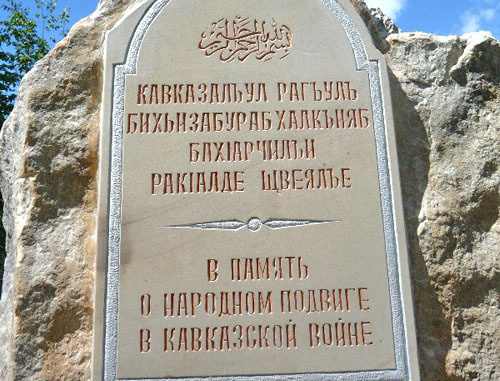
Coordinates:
(250, 214)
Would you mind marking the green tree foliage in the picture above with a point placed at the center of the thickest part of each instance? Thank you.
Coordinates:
(25, 36)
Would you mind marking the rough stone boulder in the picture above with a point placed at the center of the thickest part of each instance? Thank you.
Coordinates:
(447, 111)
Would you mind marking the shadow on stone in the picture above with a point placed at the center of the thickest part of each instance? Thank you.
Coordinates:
(433, 329)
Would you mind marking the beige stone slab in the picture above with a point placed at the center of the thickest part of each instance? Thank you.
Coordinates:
(283, 197)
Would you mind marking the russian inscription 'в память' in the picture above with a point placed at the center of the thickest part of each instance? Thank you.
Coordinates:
(250, 216)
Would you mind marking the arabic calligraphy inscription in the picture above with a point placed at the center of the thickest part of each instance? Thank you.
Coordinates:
(242, 38)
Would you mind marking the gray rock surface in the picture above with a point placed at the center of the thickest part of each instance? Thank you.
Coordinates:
(48, 161)
(379, 25)
(445, 95)
(447, 113)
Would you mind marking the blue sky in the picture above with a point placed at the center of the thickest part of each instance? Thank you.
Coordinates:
(443, 17)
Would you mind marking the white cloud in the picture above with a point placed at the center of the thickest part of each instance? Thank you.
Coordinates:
(487, 14)
(391, 8)
(475, 20)
(470, 22)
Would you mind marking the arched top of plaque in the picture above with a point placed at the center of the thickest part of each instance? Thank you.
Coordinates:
(262, 39)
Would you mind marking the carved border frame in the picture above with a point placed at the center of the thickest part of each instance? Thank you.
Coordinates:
(401, 346)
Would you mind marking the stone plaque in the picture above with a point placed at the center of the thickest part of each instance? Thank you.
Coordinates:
(250, 213)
